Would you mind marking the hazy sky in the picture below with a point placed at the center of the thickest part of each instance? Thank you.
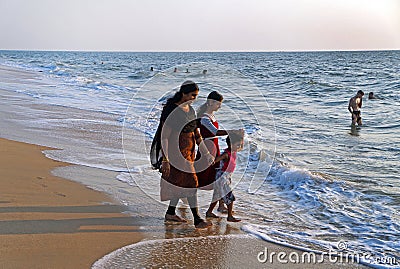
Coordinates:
(206, 25)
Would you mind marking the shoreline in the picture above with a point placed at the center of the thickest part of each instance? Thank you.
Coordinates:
(60, 223)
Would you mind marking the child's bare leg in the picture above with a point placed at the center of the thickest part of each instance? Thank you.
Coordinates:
(230, 214)
(209, 212)
(221, 206)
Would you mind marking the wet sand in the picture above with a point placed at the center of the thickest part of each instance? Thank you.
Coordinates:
(223, 245)
(231, 251)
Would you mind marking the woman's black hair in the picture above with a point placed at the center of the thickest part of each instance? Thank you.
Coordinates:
(187, 87)
(214, 95)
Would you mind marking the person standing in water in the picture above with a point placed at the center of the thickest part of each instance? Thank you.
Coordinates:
(371, 96)
(354, 107)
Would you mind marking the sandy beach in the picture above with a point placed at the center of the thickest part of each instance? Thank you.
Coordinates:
(50, 222)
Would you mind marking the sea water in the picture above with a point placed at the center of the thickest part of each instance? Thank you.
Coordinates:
(321, 183)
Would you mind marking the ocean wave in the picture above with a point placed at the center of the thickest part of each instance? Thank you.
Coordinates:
(388, 126)
(326, 247)
(83, 160)
(315, 201)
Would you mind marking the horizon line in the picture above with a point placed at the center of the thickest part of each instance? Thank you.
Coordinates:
(202, 51)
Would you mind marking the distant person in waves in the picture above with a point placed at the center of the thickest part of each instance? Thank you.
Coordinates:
(372, 96)
(354, 107)
(175, 140)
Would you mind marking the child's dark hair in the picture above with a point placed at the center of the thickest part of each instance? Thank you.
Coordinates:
(233, 138)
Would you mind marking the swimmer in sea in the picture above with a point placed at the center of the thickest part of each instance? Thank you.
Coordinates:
(371, 96)
(355, 105)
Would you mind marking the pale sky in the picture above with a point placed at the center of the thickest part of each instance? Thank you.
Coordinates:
(206, 25)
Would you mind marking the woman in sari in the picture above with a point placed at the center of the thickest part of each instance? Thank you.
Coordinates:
(177, 137)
